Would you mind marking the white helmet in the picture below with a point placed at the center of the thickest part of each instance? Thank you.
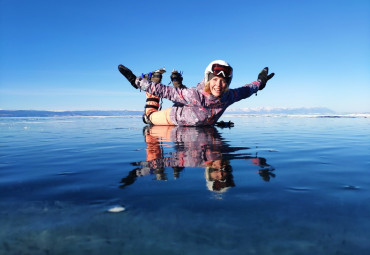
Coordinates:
(218, 68)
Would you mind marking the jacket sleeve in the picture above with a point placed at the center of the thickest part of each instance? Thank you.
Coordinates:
(184, 96)
(246, 91)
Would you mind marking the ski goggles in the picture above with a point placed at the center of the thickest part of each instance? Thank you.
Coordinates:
(220, 70)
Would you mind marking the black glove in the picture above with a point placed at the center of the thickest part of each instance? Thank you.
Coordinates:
(128, 74)
(176, 78)
(263, 77)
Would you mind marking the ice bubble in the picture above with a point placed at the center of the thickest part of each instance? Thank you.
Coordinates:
(351, 187)
(116, 209)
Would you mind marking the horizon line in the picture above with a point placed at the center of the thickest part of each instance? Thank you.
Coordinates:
(229, 111)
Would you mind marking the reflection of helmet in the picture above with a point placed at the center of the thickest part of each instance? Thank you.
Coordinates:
(218, 68)
(219, 186)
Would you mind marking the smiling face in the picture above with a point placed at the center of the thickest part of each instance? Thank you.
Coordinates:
(217, 86)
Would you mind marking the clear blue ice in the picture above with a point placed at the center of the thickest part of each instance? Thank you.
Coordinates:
(269, 185)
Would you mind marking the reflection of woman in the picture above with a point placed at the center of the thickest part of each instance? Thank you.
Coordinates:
(194, 147)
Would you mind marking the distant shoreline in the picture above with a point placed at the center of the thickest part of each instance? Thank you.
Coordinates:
(121, 113)
(39, 113)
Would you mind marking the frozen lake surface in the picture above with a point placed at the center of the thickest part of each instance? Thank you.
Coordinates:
(269, 185)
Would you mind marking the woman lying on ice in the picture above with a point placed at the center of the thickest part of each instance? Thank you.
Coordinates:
(199, 106)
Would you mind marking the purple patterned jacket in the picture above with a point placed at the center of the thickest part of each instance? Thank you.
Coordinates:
(195, 107)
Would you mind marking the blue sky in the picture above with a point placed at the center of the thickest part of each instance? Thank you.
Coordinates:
(63, 55)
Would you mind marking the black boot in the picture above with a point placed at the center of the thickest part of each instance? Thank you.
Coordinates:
(152, 102)
(155, 76)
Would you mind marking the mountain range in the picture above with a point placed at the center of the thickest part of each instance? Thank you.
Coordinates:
(281, 110)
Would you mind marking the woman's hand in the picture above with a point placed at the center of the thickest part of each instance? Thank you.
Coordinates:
(263, 77)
